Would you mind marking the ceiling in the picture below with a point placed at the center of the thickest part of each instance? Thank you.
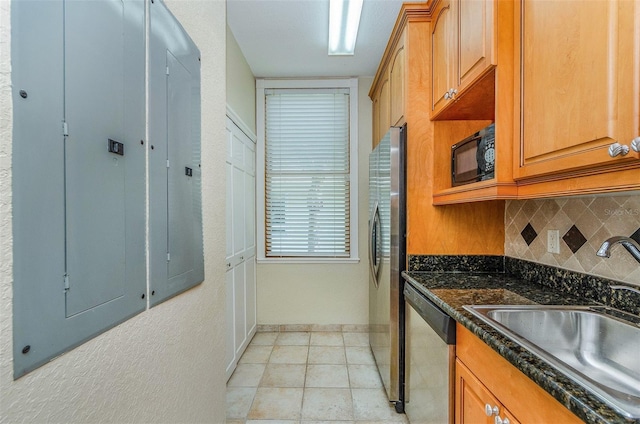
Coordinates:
(288, 38)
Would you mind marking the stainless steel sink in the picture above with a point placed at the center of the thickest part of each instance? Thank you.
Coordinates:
(598, 347)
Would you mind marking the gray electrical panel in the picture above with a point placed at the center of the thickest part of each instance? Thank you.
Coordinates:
(78, 172)
(175, 210)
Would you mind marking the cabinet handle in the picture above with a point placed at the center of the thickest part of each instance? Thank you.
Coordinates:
(635, 144)
(499, 420)
(454, 92)
(447, 95)
(618, 149)
(489, 411)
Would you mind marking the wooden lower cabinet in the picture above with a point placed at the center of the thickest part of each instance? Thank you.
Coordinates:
(483, 377)
(475, 403)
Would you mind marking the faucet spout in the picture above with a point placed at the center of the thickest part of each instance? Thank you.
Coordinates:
(628, 243)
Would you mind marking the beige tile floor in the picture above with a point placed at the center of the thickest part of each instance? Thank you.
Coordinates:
(308, 378)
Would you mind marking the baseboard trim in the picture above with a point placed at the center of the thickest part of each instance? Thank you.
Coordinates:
(282, 328)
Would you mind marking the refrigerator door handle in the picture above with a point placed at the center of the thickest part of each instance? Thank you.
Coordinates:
(374, 244)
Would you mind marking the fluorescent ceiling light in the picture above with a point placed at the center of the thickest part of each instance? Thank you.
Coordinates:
(344, 19)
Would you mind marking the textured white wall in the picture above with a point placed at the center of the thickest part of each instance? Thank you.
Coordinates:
(241, 84)
(166, 364)
(319, 293)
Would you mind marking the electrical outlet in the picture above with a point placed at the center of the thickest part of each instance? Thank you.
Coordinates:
(553, 241)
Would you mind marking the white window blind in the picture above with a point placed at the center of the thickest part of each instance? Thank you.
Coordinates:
(307, 168)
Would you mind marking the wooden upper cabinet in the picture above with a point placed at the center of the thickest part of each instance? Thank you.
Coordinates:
(442, 50)
(463, 51)
(485, 97)
(375, 130)
(381, 109)
(384, 117)
(398, 87)
(397, 80)
(476, 51)
(580, 86)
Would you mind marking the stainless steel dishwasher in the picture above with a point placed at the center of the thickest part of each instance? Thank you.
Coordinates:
(430, 360)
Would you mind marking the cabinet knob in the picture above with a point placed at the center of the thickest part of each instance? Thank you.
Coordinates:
(635, 144)
(617, 149)
(451, 94)
(499, 420)
(489, 410)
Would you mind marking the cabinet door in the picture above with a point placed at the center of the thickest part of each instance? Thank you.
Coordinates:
(397, 81)
(462, 47)
(384, 121)
(474, 402)
(376, 120)
(580, 90)
(442, 54)
(476, 52)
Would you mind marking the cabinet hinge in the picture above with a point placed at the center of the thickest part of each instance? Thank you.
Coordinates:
(167, 163)
(168, 256)
(65, 129)
(66, 283)
(167, 70)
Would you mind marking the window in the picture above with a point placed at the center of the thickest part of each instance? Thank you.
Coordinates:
(307, 145)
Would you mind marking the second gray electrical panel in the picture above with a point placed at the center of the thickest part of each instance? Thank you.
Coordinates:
(175, 207)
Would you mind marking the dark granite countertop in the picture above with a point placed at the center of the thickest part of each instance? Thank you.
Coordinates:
(451, 290)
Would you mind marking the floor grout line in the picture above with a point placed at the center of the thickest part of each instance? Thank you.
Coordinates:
(343, 364)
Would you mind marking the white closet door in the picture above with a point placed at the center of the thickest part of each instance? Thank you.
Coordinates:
(230, 359)
(241, 241)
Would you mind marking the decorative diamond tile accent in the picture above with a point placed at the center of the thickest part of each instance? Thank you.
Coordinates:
(529, 234)
(574, 239)
(598, 218)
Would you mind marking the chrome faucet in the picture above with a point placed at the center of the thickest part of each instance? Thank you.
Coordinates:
(630, 244)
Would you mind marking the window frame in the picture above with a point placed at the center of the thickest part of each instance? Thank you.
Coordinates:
(347, 83)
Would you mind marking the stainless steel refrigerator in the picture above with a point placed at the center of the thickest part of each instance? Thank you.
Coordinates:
(387, 258)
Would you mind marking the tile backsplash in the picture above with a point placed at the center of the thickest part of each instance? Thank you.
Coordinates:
(583, 223)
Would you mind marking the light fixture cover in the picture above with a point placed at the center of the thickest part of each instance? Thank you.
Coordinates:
(344, 19)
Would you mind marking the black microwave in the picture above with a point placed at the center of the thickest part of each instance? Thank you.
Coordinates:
(473, 159)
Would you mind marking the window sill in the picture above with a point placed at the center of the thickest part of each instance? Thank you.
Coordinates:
(308, 260)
